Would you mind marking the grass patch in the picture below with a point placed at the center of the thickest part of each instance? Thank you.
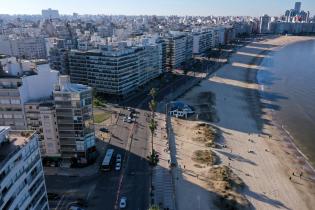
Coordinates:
(101, 116)
(205, 157)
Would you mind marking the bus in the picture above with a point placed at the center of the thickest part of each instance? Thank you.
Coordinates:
(108, 160)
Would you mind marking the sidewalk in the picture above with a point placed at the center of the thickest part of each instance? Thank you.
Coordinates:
(161, 175)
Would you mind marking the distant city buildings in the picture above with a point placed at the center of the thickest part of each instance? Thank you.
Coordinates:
(23, 46)
(22, 182)
(296, 14)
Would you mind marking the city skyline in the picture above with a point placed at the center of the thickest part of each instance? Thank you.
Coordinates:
(161, 7)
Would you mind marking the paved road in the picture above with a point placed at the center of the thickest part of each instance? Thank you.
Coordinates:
(104, 189)
(136, 182)
(130, 140)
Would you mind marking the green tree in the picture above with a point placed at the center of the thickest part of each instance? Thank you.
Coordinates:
(154, 207)
(153, 124)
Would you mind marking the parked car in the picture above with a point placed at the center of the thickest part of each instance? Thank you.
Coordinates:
(123, 202)
(118, 166)
(118, 158)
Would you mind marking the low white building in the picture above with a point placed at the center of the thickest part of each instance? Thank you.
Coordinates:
(22, 182)
(179, 109)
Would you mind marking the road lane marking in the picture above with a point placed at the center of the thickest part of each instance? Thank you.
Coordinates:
(62, 197)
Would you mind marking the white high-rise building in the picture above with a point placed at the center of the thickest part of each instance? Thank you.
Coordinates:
(264, 24)
(22, 182)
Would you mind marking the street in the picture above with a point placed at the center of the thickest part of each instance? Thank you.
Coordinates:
(104, 189)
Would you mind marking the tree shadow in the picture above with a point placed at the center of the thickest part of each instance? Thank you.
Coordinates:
(264, 198)
(233, 156)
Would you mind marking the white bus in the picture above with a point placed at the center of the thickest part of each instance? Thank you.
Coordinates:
(108, 160)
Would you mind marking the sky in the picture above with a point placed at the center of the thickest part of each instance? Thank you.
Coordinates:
(156, 7)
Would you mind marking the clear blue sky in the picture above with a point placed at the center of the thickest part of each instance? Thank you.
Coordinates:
(157, 7)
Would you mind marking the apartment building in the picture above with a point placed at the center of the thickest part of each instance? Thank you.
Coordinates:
(41, 117)
(73, 104)
(22, 183)
(115, 70)
(179, 48)
(202, 40)
(49, 132)
(20, 84)
(11, 107)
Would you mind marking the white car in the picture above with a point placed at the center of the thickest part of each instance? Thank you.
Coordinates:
(118, 158)
(123, 202)
(118, 166)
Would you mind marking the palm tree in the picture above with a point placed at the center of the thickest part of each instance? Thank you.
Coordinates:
(152, 106)
(152, 123)
(153, 93)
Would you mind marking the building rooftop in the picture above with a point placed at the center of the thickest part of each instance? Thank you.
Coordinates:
(73, 87)
(11, 142)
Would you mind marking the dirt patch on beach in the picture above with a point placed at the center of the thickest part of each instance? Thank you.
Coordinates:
(227, 186)
(206, 134)
(205, 157)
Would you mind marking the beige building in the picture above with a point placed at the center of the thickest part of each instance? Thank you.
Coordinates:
(48, 119)
(41, 117)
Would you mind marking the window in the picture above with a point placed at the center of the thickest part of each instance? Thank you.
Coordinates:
(7, 116)
(18, 116)
(17, 101)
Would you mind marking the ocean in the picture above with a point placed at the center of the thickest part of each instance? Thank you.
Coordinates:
(289, 83)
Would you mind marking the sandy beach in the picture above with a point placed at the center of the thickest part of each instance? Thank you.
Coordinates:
(275, 174)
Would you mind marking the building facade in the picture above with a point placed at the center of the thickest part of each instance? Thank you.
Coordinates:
(11, 106)
(264, 24)
(22, 182)
(23, 47)
(74, 113)
(179, 48)
(115, 71)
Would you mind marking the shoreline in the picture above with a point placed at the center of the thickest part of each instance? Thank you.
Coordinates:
(290, 139)
(255, 148)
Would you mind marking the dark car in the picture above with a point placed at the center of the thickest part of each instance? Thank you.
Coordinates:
(105, 130)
